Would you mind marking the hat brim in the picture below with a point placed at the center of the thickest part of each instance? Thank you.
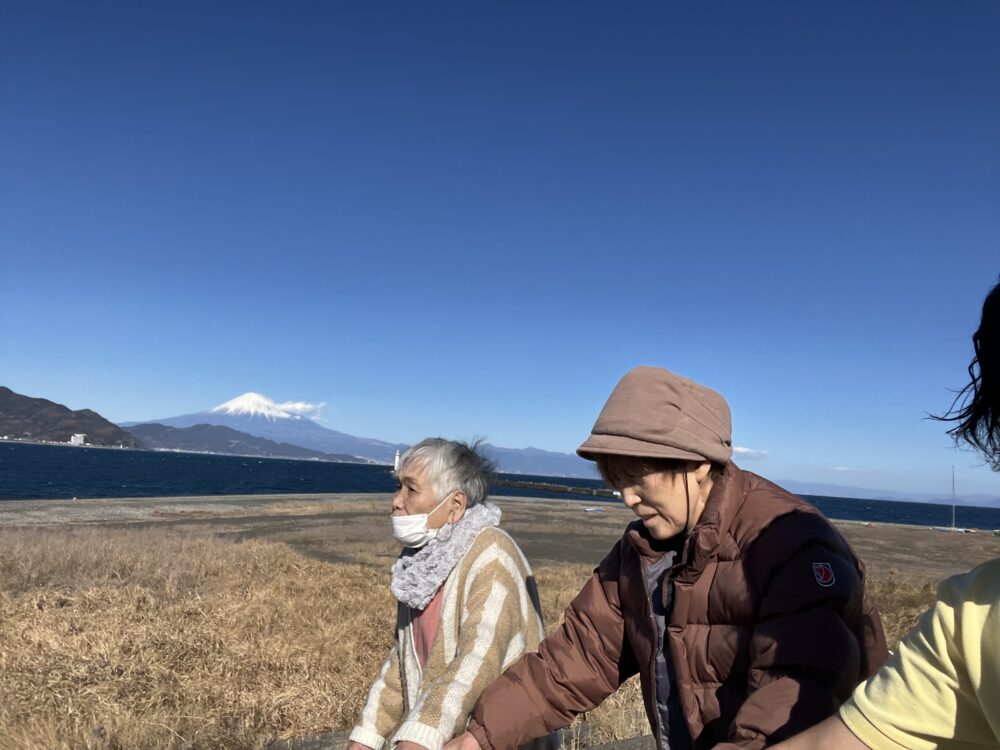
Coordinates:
(619, 445)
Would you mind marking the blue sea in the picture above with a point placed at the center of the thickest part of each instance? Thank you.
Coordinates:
(29, 472)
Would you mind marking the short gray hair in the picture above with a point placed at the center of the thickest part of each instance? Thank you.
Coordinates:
(452, 466)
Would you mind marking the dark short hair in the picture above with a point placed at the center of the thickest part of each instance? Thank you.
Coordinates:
(976, 408)
(616, 470)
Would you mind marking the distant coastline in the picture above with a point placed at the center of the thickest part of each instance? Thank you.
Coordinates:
(54, 444)
(39, 472)
(58, 444)
(566, 484)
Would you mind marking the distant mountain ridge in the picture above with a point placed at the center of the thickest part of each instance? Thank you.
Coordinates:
(40, 419)
(25, 417)
(257, 415)
(206, 438)
(539, 462)
(869, 493)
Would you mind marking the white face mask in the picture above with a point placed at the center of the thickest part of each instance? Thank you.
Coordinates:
(412, 531)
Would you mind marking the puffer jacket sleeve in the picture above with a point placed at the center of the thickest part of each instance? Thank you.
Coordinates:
(810, 644)
(585, 660)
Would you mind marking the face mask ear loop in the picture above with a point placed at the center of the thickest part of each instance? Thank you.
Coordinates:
(451, 526)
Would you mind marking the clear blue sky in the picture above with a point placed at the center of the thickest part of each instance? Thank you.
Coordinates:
(473, 218)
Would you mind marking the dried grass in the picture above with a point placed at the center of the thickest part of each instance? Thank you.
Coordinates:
(156, 640)
(148, 640)
(900, 602)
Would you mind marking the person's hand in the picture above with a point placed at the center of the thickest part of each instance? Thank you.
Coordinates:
(464, 741)
(410, 746)
(357, 746)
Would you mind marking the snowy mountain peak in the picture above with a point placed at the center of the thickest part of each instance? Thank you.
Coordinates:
(256, 405)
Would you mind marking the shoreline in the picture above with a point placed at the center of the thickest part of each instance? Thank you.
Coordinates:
(325, 525)
(53, 444)
(600, 502)
(512, 480)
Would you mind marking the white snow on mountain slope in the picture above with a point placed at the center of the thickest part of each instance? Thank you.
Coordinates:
(256, 405)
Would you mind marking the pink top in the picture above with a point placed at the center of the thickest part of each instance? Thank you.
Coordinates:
(425, 624)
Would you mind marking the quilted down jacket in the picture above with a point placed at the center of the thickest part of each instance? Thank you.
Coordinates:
(770, 629)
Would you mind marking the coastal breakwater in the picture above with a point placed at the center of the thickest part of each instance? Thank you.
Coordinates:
(565, 489)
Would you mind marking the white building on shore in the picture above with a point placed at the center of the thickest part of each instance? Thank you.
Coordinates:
(79, 438)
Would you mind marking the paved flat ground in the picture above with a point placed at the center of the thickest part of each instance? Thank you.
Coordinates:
(333, 527)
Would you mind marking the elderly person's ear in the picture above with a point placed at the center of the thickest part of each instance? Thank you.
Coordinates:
(459, 502)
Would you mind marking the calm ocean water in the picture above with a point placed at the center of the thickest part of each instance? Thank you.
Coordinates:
(62, 472)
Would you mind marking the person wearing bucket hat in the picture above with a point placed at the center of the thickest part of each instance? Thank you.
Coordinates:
(741, 608)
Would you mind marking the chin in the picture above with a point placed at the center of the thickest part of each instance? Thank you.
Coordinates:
(662, 534)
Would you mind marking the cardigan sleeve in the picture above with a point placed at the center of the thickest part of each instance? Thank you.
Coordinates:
(384, 708)
(489, 638)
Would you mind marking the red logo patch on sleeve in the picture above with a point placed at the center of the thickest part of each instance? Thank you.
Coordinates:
(824, 574)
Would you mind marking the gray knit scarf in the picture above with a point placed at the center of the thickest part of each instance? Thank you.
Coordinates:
(418, 574)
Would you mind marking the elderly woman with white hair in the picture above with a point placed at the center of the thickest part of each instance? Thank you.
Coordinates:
(467, 608)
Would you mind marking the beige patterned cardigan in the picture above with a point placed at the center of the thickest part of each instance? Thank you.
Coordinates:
(490, 616)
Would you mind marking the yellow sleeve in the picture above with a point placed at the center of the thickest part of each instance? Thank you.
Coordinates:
(932, 688)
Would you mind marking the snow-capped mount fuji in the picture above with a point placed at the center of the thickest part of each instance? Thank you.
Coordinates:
(291, 422)
(255, 405)
(287, 422)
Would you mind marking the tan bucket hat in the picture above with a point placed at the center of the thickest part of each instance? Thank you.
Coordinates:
(653, 413)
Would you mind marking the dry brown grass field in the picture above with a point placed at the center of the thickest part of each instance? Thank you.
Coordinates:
(185, 636)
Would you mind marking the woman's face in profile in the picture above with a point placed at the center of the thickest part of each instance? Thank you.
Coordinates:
(660, 500)
(415, 494)
(668, 502)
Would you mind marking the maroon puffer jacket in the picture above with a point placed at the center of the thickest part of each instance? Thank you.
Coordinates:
(770, 629)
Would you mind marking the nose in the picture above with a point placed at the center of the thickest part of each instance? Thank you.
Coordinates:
(397, 503)
(629, 497)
